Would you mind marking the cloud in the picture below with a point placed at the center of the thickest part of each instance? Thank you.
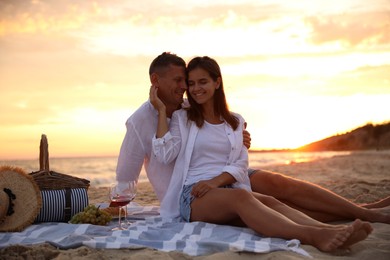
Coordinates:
(127, 28)
(38, 86)
(38, 17)
(131, 28)
(64, 15)
(352, 29)
(369, 80)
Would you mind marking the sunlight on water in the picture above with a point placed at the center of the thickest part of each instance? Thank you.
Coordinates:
(261, 159)
(101, 170)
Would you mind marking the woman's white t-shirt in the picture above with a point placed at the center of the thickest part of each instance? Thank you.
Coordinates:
(209, 156)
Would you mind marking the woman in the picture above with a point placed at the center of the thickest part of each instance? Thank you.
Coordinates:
(210, 169)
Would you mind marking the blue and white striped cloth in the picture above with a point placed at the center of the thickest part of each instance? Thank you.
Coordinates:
(152, 231)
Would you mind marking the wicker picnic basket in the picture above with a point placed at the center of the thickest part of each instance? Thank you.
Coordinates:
(51, 180)
(63, 195)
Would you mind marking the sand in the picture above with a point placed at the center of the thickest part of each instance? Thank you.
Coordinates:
(361, 177)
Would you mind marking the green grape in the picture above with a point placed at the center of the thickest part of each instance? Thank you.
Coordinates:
(91, 215)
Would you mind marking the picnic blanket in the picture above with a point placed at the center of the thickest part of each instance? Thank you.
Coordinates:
(151, 230)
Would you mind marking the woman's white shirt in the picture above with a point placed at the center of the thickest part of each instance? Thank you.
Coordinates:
(179, 143)
(208, 157)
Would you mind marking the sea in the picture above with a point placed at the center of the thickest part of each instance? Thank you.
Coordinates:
(100, 171)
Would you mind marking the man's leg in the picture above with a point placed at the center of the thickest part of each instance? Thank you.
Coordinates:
(315, 201)
(377, 204)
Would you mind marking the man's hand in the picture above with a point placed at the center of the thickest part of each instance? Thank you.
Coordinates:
(246, 137)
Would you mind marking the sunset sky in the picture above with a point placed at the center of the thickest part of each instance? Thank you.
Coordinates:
(298, 71)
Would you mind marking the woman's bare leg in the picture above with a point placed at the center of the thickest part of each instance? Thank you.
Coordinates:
(221, 206)
(361, 229)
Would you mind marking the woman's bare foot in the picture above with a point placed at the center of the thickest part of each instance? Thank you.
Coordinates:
(330, 239)
(360, 232)
(367, 227)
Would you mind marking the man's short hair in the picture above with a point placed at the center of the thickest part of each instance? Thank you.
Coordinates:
(164, 60)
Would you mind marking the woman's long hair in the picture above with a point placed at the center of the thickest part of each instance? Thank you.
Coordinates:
(221, 109)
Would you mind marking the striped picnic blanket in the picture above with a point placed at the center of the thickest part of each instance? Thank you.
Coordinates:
(151, 230)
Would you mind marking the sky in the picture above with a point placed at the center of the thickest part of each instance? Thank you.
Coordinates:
(297, 71)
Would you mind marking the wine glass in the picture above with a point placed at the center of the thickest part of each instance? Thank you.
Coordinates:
(120, 195)
(132, 187)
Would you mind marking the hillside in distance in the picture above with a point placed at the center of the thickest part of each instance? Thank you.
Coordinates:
(363, 138)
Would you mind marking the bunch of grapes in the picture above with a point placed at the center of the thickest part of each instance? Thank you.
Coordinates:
(92, 215)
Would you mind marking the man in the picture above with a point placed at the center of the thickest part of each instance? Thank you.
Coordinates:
(167, 72)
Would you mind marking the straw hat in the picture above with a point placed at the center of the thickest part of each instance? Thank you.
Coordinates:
(20, 199)
(4, 202)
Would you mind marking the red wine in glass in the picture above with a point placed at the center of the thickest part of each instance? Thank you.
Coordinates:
(120, 201)
(120, 195)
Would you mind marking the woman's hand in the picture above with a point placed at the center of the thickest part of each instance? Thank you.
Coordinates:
(202, 187)
(162, 125)
(155, 100)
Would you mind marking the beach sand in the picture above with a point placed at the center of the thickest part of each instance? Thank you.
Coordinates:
(361, 177)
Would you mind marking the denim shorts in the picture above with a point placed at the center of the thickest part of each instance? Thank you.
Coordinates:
(250, 172)
(185, 202)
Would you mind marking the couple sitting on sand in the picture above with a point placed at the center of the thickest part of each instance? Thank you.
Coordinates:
(195, 156)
